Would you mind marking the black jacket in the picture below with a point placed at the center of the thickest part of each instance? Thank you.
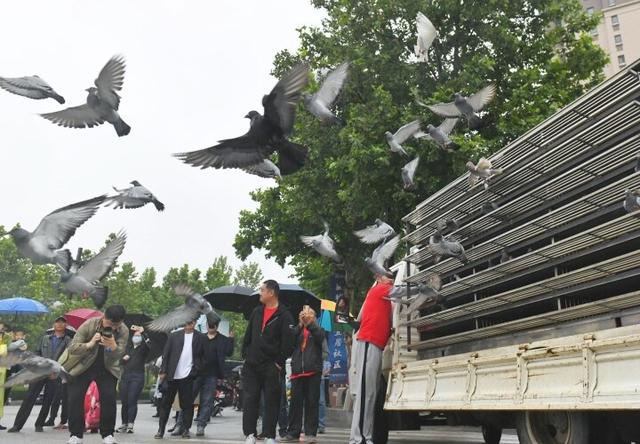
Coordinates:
(274, 344)
(309, 360)
(215, 352)
(137, 356)
(45, 347)
(173, 349)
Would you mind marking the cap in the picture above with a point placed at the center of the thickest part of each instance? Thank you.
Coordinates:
(61, 318)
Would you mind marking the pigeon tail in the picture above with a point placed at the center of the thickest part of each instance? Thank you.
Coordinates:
(292, 157)
(497, 171)
(159, 205)
(452, 146)
(475, 122)
(99, 296)
(121, 127)
(64, 259)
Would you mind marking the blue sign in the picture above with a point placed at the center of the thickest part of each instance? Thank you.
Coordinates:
(338, 358)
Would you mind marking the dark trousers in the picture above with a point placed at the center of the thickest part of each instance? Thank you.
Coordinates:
(77, 389)
(131, 385)
(305, 396)
(255, 380)
(184, 389)
(60, 398)
(35, 388)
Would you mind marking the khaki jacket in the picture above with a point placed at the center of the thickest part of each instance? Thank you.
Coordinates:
(78, 357)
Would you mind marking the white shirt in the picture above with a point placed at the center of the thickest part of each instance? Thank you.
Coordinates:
(186, 358)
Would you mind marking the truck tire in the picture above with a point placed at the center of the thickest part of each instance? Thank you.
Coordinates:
(552, 427)
(491, 434)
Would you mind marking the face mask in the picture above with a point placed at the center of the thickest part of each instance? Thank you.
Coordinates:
(137, 340)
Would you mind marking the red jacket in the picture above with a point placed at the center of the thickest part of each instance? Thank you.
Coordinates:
(375, 322)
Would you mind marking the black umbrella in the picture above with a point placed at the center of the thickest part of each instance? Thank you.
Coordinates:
(293, 296)
(229, 297)
(156, 339)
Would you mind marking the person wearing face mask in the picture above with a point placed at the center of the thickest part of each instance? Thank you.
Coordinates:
(132, 379)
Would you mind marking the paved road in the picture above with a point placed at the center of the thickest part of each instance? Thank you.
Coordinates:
(227, 430)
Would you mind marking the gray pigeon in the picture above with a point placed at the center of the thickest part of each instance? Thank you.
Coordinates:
(102, 104)
(86, 279)
(31, 86)
(442, 248)
(440, 134)
(465, 106)
(320, 103)
(408, 172)
(631, 201)
(43, 245)
(504, 256)
(488, 207)
(375, 233)
(427, 33)
(395, 141)
(636, 168)
(382, 253)
(194, 306)
(427, 294)
(34, 368)
(448, 223)
(266, 169)
(134, 197)
(484, 171)
(323, 244)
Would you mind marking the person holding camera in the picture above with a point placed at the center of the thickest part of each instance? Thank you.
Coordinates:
(94, 355)
(132, 380)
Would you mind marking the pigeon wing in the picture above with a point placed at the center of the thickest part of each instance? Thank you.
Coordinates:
(310, 240)
(385, 250)
(484, 164)
(332, 85)
(175, 318)
(58, 227)
(448, 125)
(13, 358)
(75, 117)
(280, 104)
(448, 110)
(183, 290)
(427, 33)
(110, 80)
(24, 376)
(99, 265)
(31, 87)
(373, 233)
(480, 99)
(406, 131)
(411, 167)
(266, 168)
(240, 152)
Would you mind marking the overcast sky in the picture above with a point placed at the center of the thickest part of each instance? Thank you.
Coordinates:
(194, 69)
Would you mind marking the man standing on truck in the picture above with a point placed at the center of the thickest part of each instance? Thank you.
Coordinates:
(372, 337)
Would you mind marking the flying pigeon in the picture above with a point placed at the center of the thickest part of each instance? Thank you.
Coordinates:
(427, 33)
(440, 134)
(408, 172)
(323, 244)
(395, 141)
(102, 104)
(31, 86)
(34, 368)
(383, 252)
(134, 197)
(425, 292)
(442, 248)
(43, 245)
(375, 233)
(484, 171)
(267, 134)
(447, 224)
(266, 169)
(86, 279)
(194, 306)
(631, 201)
(465, 106)
(320, 103)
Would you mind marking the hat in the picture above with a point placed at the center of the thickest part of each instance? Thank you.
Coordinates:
(61, 318)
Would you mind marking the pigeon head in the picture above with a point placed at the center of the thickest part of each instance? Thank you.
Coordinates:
(431, 128)
(135, 183)
(19, 233)
(307, 98)
(93, 91)
(436, 238)
(252, 115)
(388, 135)
(378, 222)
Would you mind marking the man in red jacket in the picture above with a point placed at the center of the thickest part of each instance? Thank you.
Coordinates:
(372, 337)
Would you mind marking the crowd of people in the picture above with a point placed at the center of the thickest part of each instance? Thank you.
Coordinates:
(105, 354)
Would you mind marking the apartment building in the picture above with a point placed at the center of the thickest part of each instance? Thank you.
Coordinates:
(619, 32)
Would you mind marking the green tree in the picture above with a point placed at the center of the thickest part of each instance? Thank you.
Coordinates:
(538, 53)
(248, 275)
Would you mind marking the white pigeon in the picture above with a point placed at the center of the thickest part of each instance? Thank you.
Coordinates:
(320, 103)
(134, 197)
(465, 106)
(266, 169)
(34, 368)
(30, 86)
(382, 253)
(395, 141)
(194, 306)
(86, 279)
(484, 171)
(408, 172)
(323, 244)
(427, 33)
(375, 233)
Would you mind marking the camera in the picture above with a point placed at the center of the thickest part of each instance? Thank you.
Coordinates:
(107, 332)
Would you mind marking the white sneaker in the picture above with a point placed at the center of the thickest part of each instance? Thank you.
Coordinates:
(109, 440)
(270, 441)
(251, 439)
(74, 440)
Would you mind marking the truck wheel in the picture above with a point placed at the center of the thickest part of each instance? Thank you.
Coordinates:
(553, 427)
(491, 434)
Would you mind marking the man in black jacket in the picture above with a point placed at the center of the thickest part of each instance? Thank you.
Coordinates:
(50, 346)
(181, 361)
(267, 344)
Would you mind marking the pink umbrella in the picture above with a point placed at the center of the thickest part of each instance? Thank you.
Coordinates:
(76, 318)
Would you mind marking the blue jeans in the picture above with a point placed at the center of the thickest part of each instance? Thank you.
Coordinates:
(323, 404)
(206, 387)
